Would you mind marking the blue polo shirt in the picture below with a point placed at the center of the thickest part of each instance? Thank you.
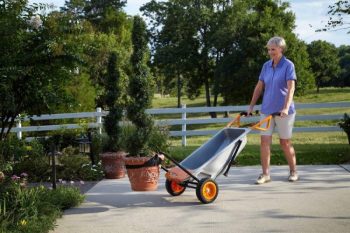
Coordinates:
(276, 89)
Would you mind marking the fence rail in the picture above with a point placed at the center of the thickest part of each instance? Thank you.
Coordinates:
(184, 121)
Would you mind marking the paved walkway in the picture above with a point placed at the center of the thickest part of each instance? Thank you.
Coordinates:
(319, 202)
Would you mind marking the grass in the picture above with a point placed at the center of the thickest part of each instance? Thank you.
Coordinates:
(311, 148)
(328, 94)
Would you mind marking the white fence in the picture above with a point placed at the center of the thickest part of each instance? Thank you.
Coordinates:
(184, 121)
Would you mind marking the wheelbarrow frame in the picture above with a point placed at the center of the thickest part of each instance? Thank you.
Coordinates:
(201, 185)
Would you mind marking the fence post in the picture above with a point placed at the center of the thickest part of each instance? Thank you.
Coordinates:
(99, 120)
(184, 142)
(19, 126)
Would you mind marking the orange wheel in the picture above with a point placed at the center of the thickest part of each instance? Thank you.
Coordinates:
(207, 191)
(174, 188)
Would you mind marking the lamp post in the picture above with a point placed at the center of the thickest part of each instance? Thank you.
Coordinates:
(85, 146)
(53, 164)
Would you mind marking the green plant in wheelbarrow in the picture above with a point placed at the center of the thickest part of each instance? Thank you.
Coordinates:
(143, 139)
(345, 125)
(112, 157)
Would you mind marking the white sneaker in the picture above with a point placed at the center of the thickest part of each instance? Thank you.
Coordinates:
(293, 176)
(263, 179)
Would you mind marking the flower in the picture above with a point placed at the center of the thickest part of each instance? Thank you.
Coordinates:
(23, 222)
(71, 182)
(35, 22)
(82, 182)
(23, 174)
(15, 178)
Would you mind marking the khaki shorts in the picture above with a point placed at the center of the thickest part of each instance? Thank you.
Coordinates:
(284, 126)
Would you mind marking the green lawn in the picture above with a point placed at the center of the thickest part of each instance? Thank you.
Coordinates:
(311, 148)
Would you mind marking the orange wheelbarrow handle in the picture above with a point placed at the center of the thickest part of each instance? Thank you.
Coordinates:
(257, 126)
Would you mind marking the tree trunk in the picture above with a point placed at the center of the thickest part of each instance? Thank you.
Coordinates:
(178, 90)
(207, 96)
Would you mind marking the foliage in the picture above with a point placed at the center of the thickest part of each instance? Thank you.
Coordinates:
(34, 209)
(324, 62)
(104, 29)
(35, 62)
(184, 51)
(345, 125)
(12, 149)
(338, 13)
(103, 13)
(82, 93)
(75, 168)
(344, 62)
(139, 91)
(111, 122)
(158, 139)
(65, 197)
(223, 48)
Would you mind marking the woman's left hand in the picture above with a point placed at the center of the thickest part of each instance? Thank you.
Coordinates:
(284, 112)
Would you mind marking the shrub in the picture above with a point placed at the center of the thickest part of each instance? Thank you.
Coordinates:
(78, 168)
(64, 197)
(33, 161)
(33, 209)
(12, 149)
(345, 125)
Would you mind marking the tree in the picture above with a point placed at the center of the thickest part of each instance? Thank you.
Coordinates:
(173, 43)
(112, 87)
(109, 33)
(35, 62)
(140, 90)
(223, 46)
(181, 32)
(324, 63)
(105, 15)
(344, 62)
(243, 50)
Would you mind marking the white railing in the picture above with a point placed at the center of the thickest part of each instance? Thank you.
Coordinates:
(184, 121)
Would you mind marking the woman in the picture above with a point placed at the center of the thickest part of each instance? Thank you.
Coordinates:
(277, 82)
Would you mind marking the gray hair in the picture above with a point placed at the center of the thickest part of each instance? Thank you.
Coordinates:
(278, 41)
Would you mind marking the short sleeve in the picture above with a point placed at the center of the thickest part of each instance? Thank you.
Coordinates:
(290, 74)
(261, 76)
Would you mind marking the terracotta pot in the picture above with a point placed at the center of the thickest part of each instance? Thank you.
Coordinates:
(143, 178)
(113, 164)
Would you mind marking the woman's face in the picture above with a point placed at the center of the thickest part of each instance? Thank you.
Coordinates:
(274, 51)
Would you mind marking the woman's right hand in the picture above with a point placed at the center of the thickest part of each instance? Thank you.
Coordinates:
(250, 111)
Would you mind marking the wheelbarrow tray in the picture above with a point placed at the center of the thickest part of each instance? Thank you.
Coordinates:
(212, 158)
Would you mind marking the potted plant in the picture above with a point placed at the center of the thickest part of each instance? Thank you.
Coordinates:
(112, 157)
(142, 164)
(345, 125)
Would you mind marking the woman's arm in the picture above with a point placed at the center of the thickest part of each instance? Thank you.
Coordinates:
(289, 97)
(256, 94)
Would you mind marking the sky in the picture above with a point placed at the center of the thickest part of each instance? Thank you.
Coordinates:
(310, 15)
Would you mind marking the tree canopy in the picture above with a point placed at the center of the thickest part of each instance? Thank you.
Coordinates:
(220, 45)
(36, 62)
(324, 62)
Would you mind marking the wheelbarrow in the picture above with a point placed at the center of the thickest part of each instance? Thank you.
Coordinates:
(200, 169)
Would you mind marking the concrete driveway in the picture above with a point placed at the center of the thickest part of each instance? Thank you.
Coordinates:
(318, 202)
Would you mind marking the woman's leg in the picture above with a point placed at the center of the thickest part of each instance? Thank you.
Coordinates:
(265, 152)
(289, 153)
(285, 128)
